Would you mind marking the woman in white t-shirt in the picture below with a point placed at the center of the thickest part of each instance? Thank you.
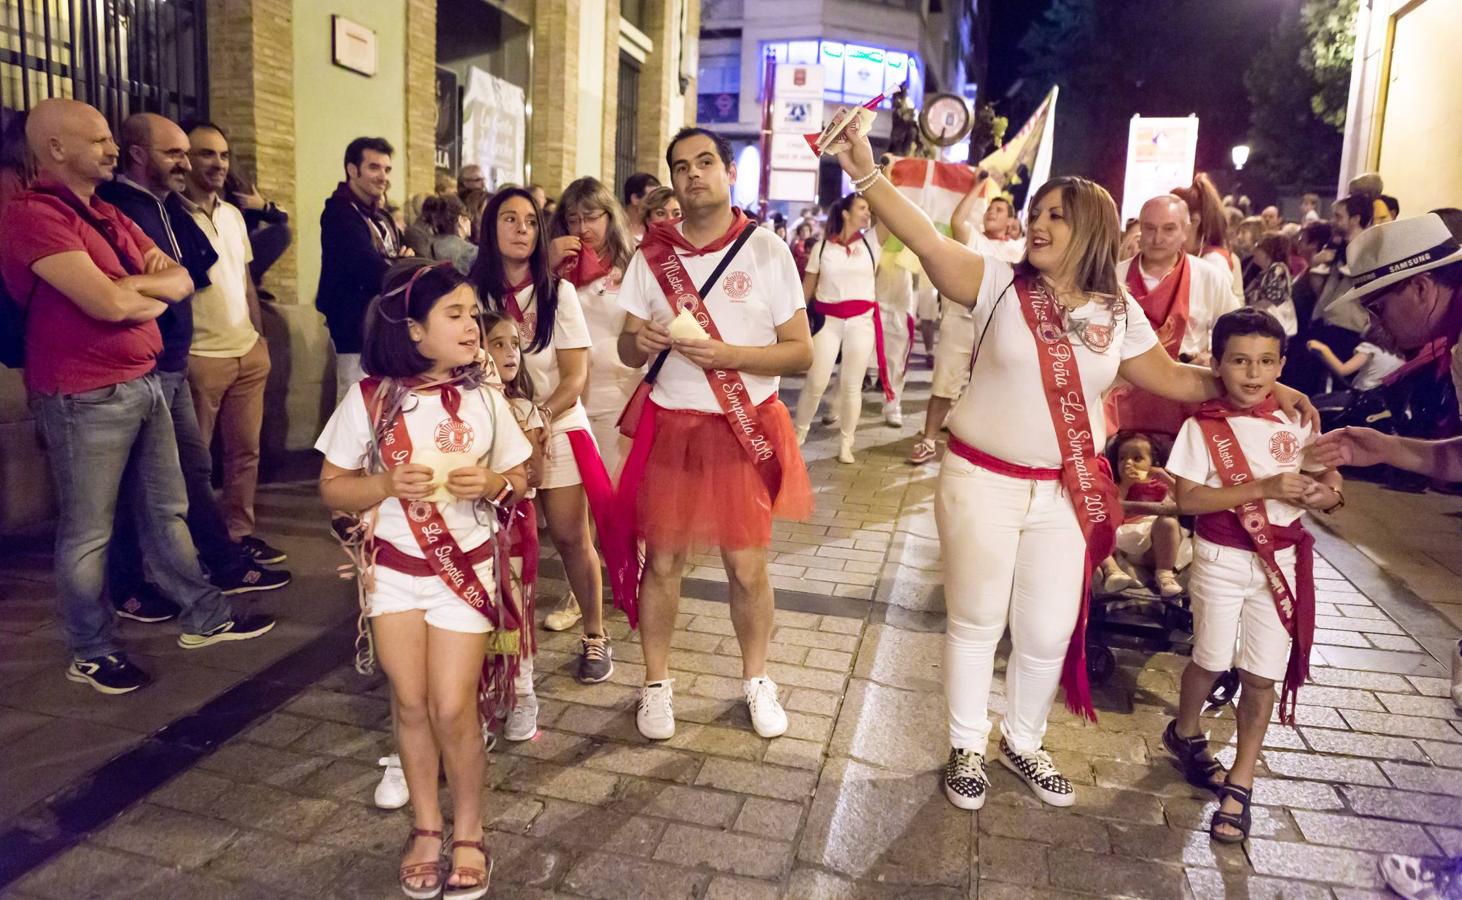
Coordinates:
(512, 275)
(589, 216)
(424, 451)
(840, 282)
(1020, 547)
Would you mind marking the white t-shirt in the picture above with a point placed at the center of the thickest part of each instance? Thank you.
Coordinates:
(570, 332)
(1004, 411)
(1376, 368)
(843, 273)
(1230, 268)
(492, 435)
(1210, 295)
(611, 382)
(1004, 249)
(1269, 447)
(758, 291)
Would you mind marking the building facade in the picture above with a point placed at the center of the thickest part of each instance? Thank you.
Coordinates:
(603, 84)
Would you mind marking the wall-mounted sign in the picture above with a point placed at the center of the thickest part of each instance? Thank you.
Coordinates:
(449, 121)
(494, 129)
(352, 45)
(1160, 154)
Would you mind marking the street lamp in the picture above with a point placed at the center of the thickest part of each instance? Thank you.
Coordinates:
(1240, 156)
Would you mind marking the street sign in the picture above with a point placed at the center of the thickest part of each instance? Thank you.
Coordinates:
(789, 151)
(794, 186)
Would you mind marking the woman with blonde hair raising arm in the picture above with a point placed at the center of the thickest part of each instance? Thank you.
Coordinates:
(1024, 504)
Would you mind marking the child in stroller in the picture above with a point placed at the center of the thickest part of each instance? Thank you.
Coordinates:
(1150, 539)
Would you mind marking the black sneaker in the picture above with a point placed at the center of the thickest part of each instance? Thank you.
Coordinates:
(596, 659)
(251, 578)
(239, 628)
(147, 605)
(262, 553)
(110, 674)
(965, 780)
(1039, 774)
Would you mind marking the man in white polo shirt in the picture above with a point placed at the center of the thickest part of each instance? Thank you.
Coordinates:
(228, 363)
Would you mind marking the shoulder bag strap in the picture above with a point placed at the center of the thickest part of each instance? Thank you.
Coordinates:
(709, 283)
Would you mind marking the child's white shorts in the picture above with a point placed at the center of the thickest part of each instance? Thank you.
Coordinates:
(398, 592)
(1134, 539)
(1232, 605)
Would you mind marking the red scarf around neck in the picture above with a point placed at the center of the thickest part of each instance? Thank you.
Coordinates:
(668, 233)
(847, 245)
(585, 268)
(1166, 305)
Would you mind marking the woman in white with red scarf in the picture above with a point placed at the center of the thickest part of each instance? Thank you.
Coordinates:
(512, 276)
(840, 284)
(590, 234)
(1024, 504)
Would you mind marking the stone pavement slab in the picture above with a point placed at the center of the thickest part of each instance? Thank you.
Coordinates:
(848, 804)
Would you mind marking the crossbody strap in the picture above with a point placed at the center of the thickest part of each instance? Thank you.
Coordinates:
(709, 283)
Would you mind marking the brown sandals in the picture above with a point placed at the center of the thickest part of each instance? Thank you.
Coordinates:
(412, 871)
(473, 882)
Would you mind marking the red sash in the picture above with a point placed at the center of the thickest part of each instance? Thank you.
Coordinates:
(617, 546)
(520, 521)
(1084, 473)
(1248, 528)
(585, 267)
(1166, 305)
(726, 384)
(848, 309)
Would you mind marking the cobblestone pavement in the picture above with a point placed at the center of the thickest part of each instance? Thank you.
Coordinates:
(847, 805)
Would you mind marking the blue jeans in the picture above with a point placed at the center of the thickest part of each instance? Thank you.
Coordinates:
(220, 556)
(91, 439)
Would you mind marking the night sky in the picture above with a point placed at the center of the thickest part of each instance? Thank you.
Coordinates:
(1189, 58)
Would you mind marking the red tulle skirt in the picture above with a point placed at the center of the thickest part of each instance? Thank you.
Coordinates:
(700, 488)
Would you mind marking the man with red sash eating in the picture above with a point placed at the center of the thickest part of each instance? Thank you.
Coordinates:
(1241, 468)
(1182, 296)
(715, 306)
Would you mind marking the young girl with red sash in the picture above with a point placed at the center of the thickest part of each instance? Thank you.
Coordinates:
(512, 276)
(1238, 465)
(424, 454)
(840, 284)
(714, 457)
(590, 232)
(519, 517)
(1026, 507)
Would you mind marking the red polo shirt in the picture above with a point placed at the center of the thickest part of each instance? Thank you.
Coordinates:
(66, 350)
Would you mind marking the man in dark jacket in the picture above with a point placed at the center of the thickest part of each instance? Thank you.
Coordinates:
(358, 243)
(154, 159)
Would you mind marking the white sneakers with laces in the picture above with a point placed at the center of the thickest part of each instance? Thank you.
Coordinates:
(565, 616)
(522, 721)
(656, 716)
(767, 716)
(392, 793)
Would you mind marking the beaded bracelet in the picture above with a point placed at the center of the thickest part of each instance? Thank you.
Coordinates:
(862, 184)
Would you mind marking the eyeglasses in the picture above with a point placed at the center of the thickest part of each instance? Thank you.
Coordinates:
(1375, 302)
(576, 220)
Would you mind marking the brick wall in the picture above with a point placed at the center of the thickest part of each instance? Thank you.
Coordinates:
(421, 106)
(611, 90)
(552, 148)
(251, 95)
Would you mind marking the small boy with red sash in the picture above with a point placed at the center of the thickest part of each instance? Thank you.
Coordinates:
(715, 455)
(1240, 468)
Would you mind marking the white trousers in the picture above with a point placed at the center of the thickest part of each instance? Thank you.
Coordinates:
(855, 338)
(1013, 554)
(896, 297)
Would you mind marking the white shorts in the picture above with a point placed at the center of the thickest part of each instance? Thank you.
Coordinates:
(1232, 605)
(560, 469)
(926, 301)
(954, 351)
(397, 592)
(1134, 539)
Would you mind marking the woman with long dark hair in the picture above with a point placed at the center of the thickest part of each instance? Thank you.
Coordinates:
(1024, 505)
(839, 284)
(512, 276)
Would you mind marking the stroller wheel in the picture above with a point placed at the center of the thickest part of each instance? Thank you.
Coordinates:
(1224, 690)
(1100, 664)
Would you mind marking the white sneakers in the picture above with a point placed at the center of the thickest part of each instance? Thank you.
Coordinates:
(893, 414)
(392, 793)
(566, 616)
(656, 715)
(845, 452)
(767, 715)
(522, 722)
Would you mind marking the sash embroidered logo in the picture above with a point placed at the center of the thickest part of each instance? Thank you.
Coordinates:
(1284, 447)
(737, 285)
(453, 437)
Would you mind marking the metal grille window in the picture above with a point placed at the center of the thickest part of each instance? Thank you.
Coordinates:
(626, 126)
(121, 56)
